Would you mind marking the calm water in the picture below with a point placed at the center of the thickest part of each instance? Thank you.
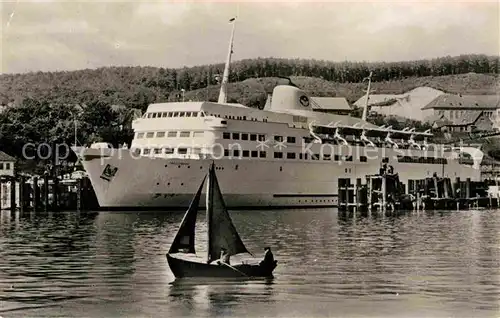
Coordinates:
(426, 264)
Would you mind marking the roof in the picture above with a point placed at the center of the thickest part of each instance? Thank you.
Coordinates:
(467, 119)
(6, 157)
(464, 102)
(438, 120)
(330, 103)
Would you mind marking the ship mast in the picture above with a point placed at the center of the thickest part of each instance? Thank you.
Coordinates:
(225, 76)
(365, 110)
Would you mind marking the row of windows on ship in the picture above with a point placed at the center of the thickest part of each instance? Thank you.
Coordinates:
(242, 136)
(202, 114)
(225, 135)
(236, 153)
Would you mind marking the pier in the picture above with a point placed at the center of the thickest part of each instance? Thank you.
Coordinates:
(385, 193)
(45, 193)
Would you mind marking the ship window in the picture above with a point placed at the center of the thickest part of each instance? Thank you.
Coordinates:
(169, 114)
(236, 153)
(169, 151)
(160, 134)
(1, 165)
(262, 154)
(150, 134)
(182, 151)
(172, 134)
(244, 117)
(149, 115)
(236, 136)
(176, 114)
(188, 114)
(278, 138)
(253, 137)
(184, 134)
(198, 133)
(301, 155)
(336, 157)
(244, 136)
(157, 151)
(290, 140)
(226, 135)
(348, 158)
(140, 135)
(278, 155)
(246, 153)
(254, 153)
(154, 115)
(363, 159)
(290, 155)
(137, 151)
(145, 151)
(164, 114)
(327, 157)
(223, 122)
(202, 114)
(226, 153)
(262, 137)
(182, 114)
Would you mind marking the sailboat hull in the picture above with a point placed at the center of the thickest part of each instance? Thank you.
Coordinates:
(184, 268)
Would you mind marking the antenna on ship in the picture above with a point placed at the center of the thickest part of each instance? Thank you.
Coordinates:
(365, 110)
(225, 76)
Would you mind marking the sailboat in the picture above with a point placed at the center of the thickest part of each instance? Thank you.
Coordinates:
(222, 234)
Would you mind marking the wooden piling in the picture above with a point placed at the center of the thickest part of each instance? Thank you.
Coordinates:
(12, 194)
(22, 193)
(467, 189)
(79, 193)
(46, 192)
(36, 194)
(55, 194)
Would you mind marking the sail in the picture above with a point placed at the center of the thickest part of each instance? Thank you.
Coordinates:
(221, 230)
(184, 240)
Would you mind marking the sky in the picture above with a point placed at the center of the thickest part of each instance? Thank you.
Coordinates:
(69, 35)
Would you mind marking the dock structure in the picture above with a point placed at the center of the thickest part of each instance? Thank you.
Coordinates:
(385, 193)
(45, 193)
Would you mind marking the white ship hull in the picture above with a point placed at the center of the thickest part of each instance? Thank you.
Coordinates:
(171, 183)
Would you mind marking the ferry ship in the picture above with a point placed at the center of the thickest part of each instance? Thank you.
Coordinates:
(285, 155)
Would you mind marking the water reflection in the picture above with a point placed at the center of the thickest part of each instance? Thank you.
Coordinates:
(113, 264)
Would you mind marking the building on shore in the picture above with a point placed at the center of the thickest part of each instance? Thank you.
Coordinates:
(471, 121)
(456, 108)
(331, 105)
(6, 164)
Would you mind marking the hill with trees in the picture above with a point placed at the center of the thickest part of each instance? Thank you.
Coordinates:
(42, 106)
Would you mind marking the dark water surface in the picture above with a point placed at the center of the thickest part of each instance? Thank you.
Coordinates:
(425, 264)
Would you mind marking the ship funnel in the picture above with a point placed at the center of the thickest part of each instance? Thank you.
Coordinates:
(287, 97)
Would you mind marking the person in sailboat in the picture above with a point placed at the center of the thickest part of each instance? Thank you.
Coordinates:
(268, 260)
(224, 257)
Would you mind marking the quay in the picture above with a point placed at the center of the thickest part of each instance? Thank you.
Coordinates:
(46, 193)
(384, 192)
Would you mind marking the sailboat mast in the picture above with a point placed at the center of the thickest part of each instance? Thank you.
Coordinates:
(225, 76)
(209, 209)
(365, 110)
